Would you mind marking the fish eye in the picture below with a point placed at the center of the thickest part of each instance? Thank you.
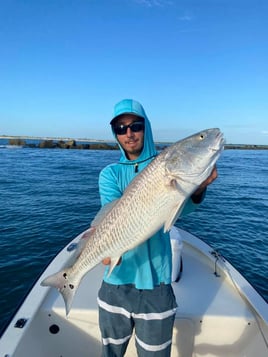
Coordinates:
(202, 136)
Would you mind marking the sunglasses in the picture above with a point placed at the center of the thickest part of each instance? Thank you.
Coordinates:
(135, 127)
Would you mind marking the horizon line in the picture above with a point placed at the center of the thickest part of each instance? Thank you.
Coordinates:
(3, 136)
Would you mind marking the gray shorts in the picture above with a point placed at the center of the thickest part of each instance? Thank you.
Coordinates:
(151, 312)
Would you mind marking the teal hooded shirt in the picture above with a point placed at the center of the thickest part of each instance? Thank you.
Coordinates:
(150, 263)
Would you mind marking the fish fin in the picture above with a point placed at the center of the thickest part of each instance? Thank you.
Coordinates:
(174, 215)
(176, 211)
(114, 262)
(66, 285)
(103, 212)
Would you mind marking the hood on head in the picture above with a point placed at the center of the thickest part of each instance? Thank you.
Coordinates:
(130, 106)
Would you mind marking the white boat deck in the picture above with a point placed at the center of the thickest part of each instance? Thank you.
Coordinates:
(212, 318)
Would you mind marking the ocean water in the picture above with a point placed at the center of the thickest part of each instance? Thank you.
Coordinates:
(48, 196)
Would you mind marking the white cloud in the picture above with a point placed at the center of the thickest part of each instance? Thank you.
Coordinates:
(186, 18)
(154, 3)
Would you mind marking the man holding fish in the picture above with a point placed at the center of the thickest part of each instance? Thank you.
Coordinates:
(136, 291)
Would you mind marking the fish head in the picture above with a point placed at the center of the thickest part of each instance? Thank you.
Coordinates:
(192, 159)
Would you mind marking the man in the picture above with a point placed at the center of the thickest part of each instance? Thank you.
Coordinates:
(138, 293)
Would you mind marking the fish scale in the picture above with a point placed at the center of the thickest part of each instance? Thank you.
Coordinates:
(152, 200)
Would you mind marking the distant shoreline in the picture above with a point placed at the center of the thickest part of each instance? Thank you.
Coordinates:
(42, 138)
(67, 143)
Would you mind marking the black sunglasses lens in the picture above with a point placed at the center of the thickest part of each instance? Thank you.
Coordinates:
(120, 130)
(135, 127)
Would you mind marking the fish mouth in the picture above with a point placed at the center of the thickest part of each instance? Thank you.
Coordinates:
(219, 144)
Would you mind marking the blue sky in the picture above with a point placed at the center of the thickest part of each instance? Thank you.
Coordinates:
(193, 64)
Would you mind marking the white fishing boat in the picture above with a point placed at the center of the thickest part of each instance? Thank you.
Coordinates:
(219, 312)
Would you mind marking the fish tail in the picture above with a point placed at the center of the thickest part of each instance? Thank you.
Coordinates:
(66, 284)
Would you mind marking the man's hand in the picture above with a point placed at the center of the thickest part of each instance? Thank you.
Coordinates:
(107, 261)
(197, 195)
(208, 181)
